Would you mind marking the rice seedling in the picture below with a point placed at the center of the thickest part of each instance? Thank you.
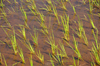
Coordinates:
(90, 6)
(79, 31)
(32, 5)
(92, 62)
(62, 51)
(1, 4)
(5, 61)
(25, 16)
(65, 22)
(83, 1)
(15, 64)
(58, 58)
(35, 37)
(48, 7)
(33, 8)
(21, 55)
(40, 57)
(63, 5)
(91, 21)
(34, 12)
(24, 13)
(52, 43)
(49, 2)
(22, 31)
(55, 13)
(73, 8)
(51, 60)
(44, 28)
(74, 63)
(29, 46)
(31, 61)
(1, 61)
(76, 48)
(84, 37)
(96, 38)
(12, 38)
(5, 17)
(41, 17)
(96, 54)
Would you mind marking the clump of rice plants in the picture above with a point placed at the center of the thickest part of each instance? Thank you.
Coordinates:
(35, 37)
(12, 38)
(65, 22)
(76, 50)
(40, 56)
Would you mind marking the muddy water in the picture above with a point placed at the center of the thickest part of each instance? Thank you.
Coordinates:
(14, 17)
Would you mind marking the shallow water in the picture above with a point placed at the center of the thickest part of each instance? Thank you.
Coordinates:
(15, 17)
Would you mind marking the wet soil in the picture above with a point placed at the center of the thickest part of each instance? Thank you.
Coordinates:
(14, 17)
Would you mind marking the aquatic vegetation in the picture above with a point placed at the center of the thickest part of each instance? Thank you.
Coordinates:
(74, 63)
(35, 37)
(76, 50)
(40, 56)
(31, 61)
(23, 32)
(29, 46)
(51, 41)
(12, 38)
(62, 50)
(5, 61)
(48, 7)
(51, 20)
(1, 62)
(21, 55)
(65, 22)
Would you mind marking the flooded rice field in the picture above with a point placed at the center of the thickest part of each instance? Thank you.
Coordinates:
(49, 33)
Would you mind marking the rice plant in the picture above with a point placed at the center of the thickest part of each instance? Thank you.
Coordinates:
(96, 54)
(1, 61)
(12, 38)
(31, 61)
(74, 63)
(58, 58)
(90, 6)
(5, 17)
(23, 32)
(51, 41)
(41, 17)
(49, 2)
(5, 61)
(40, 56)
(55, 13)
(35, 37)
(63, 6)
(21, 55)
(92, 62)
(92, 23)
(65, 22)
(29, 46)
(52, 62)
(76, 50)
(25, 16)
(32, 5)
(62, 50)
(85, 38)
(48, 7)
(96, 38)
(1, 4)
(73, 8)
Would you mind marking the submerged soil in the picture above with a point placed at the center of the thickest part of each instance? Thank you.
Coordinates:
(14, 17)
